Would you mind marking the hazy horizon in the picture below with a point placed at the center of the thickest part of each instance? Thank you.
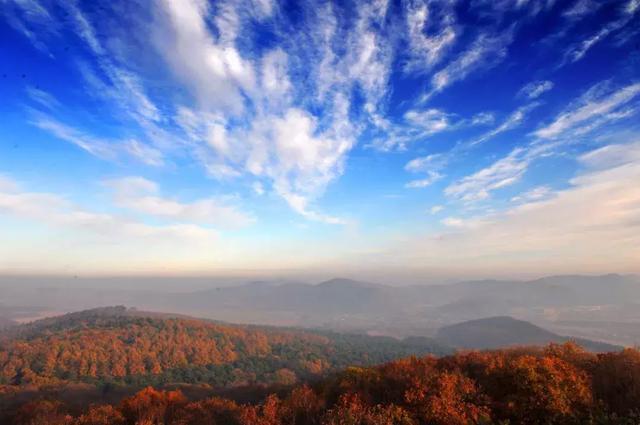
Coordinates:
(190, 281)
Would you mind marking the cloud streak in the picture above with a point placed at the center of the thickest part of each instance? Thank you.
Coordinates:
(142, 196)
(593, 225)
(594, 104)
(484, 53)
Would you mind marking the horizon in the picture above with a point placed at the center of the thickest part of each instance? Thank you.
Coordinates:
(421, 140)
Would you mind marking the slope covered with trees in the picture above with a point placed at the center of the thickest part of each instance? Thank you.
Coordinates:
(125, 346)
(560, 384)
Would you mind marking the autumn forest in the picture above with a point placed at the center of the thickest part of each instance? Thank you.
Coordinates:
(121, 366)
(560, 384)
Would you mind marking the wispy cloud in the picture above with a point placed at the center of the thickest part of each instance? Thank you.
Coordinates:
(101, 148)
(42, 97)
(430, 33)
(215, 72)
(30, 18)
(535, 194)
(142, 196)
(535, 89)
(514, 120)
(430, 120)
(598, 106)
(419, 124)
(144, 153)
(98, 147)
(593, 105)
(432, 176)
(578, 50)
(431, 165)
(484, 53)
(436, 209)
(502, 173)
(55, 210)
(593, 225)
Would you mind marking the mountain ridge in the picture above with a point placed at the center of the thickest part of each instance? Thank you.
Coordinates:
(505, 331)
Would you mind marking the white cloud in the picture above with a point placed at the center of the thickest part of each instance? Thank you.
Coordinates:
(429, 165)
(31, 19)
(535, 89)
(485, 52)
(275, 74)
(98, 147)
(514, 120)
(48, 233)
(597, 106)
(418, 124)
(582, 8)
(109, 82)
(274, 135)
(301, 163)
(122, 89)
(435, 209)
(101, 148)
(423, 164)
(432, 176)
(535, 194)
(84, 29)
(54, 210)
(426, 47)
(142, 196)
(593, 105)
(483, 118)
(456, 222)
(430, 120)
(264, 8)
(214, 71)
(42, 97)
(234, 122)
(144, 153)
(579, 50)
(369, 56)
(612, 155)
(504, 172)
(592, 226)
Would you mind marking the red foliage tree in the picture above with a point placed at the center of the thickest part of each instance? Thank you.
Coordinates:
(153, 407)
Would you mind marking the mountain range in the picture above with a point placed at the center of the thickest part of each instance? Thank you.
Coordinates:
(599, 307)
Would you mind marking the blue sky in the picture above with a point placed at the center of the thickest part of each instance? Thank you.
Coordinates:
(434, 138)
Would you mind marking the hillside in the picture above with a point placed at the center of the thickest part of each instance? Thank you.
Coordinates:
(555, 385)
(120, 345)
(504, 331)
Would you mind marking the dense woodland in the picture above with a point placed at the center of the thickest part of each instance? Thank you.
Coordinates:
(119, 346)
(123, 367)
(560, 384)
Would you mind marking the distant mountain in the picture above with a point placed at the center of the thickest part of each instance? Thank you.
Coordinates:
(7, 323)
(504, 331)
(116, 344)
(348, 305)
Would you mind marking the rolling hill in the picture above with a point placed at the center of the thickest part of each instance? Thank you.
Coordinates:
(504, 331)
(116, 344)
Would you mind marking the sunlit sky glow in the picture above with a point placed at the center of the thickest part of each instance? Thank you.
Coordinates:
(443, 137)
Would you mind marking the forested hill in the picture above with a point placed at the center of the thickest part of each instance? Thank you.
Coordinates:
(556, 385)
(116, 344)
